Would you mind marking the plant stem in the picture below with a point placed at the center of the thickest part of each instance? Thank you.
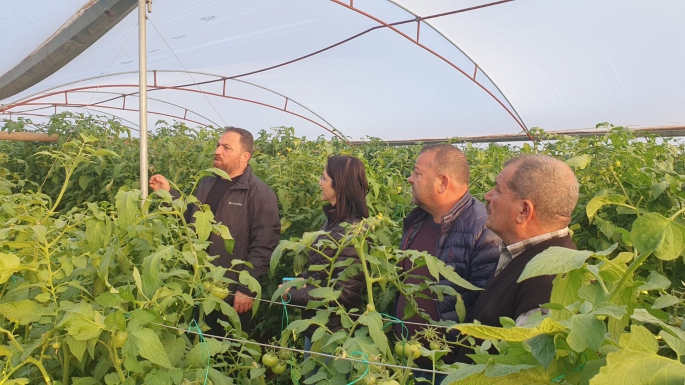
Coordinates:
(369, 283)
(115, 360)
(69, 172)
(673, 217)
(624, 191)
(65, 364)
(10, 336)
(40, 366)
(628, 274)
(52, 285)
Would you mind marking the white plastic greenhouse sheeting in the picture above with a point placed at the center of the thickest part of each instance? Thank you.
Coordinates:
(563, 64)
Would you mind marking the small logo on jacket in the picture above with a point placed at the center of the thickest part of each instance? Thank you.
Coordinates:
(235, 203)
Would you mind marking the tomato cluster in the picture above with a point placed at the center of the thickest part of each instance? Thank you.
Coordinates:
(219, 292)
(408, 349)
(274, 363)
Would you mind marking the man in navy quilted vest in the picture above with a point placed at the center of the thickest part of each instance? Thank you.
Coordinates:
(448, 223)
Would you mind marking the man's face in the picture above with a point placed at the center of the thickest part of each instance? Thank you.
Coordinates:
(228, 153)
(502, 204)
(423, 181)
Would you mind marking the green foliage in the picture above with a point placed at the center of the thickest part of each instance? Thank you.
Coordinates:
(91, 277)
(91, 292)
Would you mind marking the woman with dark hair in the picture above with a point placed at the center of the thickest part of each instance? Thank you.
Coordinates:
(344, 186)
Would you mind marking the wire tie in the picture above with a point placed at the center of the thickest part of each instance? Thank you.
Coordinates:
(193, 325)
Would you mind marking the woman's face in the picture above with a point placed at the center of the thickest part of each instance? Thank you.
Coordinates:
(327, 191)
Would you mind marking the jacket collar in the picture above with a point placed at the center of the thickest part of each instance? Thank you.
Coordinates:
(419, 214)
(244, 181)
(328, 210)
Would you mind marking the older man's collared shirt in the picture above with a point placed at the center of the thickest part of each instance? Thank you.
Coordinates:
(508, 253)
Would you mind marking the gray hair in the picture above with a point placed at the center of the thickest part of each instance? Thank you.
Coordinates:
(547, 182)
(450, 161)
(246, 138)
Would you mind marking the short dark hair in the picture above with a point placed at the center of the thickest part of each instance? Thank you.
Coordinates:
(449, 160)
(547, 182)
(246, 138)
(349, 182)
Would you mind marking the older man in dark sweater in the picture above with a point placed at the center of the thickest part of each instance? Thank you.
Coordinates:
(529, 209)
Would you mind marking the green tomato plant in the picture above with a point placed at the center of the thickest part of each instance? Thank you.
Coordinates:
(105, 292)
(94, 279)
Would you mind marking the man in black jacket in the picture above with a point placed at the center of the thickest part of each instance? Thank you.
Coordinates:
(247, 206)
(529, 208)
(448, 223)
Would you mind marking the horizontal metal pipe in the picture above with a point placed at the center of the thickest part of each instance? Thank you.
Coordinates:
(29, 137)
(670, 131)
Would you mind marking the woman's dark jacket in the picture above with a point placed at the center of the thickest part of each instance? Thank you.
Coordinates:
(465, 244)
(351, 288)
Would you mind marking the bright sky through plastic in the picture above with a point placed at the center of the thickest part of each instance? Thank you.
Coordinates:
(558, 64)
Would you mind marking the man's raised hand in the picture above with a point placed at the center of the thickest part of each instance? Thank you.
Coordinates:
(159, 182)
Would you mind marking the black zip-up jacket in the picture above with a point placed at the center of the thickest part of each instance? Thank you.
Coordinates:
(250, 211)
(464, 244)
(351, 288)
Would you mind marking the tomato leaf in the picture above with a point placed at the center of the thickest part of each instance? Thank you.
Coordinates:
(23, 312)
(10, 264)
(654, 233)
(203, 224)
(543, 349)
(152, 269)
(149, 346)
(554, 260)
(638, 362)
(77, 347)
(586, 332)
(665, 300)
(655, 281)
(515, 334)
(597, 203)
(374, 321)
(128, 209)
(580, 161)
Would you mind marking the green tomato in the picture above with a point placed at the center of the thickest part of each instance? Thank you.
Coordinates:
(435, 345)
(120, 338)
(284, 354)
(370, 380)
(406, 349)
(399, 348)
(389, 382)
(280, 368)
(206, 285)
(412, 350)
(56, 345)
(270, 360)
(617, 163)
(219, 292)
(601, 317)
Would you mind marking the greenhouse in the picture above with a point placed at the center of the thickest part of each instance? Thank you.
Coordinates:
(122, 261)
